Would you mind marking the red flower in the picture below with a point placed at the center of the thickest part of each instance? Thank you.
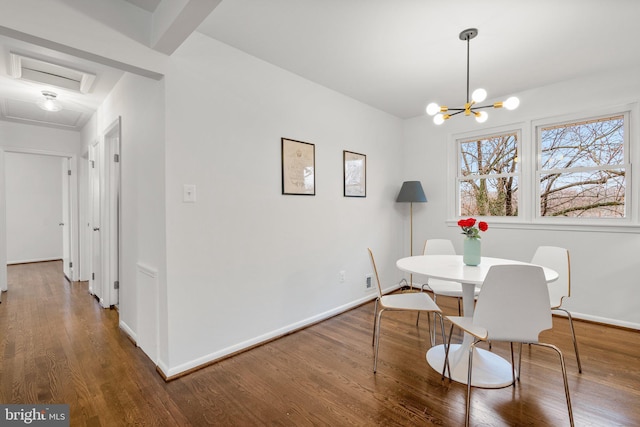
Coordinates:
(469, 230)
(469, 222)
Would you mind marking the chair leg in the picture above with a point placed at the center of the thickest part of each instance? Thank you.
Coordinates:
(573, 336)
(433, 335)
(375, 313)
(446, 359)
(432, 332)
(441, 328)
(446, 355)
(513, 366)
(418, 319)
(468, 405)
(564, 377)
(519, 361)
(377, 341)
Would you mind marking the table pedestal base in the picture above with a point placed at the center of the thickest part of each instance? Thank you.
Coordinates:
(489, 369)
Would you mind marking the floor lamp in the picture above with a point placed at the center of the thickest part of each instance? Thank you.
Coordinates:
(411, 192)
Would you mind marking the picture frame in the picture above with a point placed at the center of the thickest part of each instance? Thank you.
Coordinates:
(298, 167)
(354, 174)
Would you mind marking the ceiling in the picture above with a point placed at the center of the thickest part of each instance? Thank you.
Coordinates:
(396, 56)
(399, 55)
(18, 96)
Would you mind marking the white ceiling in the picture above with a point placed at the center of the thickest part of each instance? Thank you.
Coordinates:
(18, 97)
(398, 55)
(395, 55)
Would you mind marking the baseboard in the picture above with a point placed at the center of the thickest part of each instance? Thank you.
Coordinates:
(172, 373)
(127, 330)
(32, 261)
(601, 320)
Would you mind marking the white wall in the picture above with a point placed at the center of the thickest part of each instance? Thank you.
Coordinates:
(140, 104)
(38, 138)
(246, 263)
(34, 207)
(604, 264)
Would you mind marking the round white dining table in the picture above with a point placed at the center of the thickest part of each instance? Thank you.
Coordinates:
(489, 369)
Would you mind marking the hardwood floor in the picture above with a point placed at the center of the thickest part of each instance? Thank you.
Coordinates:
(59, 346)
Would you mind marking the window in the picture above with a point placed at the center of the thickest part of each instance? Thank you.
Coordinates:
(581, 169)
(573, 171)
(488, 175)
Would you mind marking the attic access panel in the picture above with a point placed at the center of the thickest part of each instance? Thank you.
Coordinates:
(40, 71)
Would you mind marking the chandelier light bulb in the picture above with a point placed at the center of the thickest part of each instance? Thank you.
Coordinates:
(438, 119)
(482, 117)
(433, 109)
(511, 103)
(479, 95)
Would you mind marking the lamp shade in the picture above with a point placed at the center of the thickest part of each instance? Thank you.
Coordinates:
(411, 191)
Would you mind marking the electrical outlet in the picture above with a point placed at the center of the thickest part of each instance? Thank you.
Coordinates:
(343, 276)
(367, 282)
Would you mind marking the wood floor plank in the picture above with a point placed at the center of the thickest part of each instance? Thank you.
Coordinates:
(59, 346)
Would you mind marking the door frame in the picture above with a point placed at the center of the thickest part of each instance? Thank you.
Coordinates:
(73, 202)
(112, 140)
(67, 265)
(96, 181)
(110, 214)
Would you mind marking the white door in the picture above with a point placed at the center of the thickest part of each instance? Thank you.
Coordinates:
(105, 214)
(112, 167)
(65, 222)
(95, 166)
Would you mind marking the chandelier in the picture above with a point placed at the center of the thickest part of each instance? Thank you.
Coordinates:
(442, 113)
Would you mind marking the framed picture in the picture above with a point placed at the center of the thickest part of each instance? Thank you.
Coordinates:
(355, 174)
(298, 167)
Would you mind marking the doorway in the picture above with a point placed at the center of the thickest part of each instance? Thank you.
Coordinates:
(62, 228)
(105, 207)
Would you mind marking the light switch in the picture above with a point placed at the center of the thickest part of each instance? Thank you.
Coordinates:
(189, 193)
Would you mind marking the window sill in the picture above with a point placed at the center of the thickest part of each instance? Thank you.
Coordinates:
(591, 227)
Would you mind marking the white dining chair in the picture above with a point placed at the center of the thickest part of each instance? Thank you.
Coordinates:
(410, 301)
(558, 259)
(443, 287)
(513, 306)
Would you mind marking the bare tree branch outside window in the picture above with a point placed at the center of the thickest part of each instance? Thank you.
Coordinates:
(582, 169)
(488, 176)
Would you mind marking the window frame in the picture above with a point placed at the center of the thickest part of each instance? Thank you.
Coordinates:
(528, 187)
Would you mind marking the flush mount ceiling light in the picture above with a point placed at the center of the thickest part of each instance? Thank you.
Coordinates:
(49, 103)
(442, 113)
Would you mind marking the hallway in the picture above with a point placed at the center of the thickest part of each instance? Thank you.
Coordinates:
(59, 346)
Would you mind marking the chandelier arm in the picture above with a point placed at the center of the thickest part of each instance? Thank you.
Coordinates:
(484, 106)
(459, 110)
